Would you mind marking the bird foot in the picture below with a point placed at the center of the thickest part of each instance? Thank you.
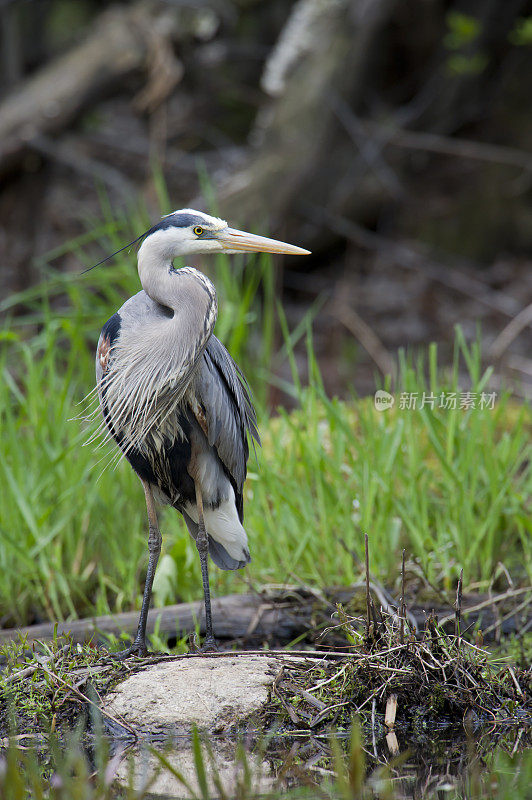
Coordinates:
(209, 645)
(137, 649)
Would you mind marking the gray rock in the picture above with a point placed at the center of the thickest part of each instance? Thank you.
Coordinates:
(209, 692)
(212, 693)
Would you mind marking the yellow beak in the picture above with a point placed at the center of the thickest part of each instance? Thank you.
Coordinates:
(234, 241)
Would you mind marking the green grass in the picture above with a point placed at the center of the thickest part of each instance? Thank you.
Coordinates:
(453, 487)
(450, 486)
(68, 774)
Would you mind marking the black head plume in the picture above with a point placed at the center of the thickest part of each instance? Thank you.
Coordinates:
(177, 219)
(116, 252)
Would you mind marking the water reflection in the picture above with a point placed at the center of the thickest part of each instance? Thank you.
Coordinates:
(429, 764)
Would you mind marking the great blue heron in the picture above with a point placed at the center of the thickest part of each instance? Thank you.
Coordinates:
(175, 401)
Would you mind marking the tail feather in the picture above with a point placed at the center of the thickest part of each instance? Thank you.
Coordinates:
(217, 551)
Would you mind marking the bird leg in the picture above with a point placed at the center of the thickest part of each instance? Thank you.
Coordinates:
(154, 547)
(202, 543)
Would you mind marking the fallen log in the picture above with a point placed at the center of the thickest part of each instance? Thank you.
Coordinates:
(233, 616)
(121, 41)
(279, 617)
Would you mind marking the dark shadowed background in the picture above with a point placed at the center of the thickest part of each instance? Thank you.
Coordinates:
(392, 138)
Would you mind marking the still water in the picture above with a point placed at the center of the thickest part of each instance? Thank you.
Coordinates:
(443, 762)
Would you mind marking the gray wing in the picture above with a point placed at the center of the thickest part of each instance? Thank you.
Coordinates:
(227, 417)
(229, 414)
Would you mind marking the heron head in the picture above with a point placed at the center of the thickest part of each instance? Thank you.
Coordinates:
(188, 232)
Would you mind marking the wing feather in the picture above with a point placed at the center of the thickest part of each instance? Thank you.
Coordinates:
(228, 410)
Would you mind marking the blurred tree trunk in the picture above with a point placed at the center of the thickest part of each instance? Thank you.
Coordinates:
(309, 147)
(324, 51)
(48, 101)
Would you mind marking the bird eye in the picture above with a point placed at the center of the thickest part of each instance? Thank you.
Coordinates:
(198, 231)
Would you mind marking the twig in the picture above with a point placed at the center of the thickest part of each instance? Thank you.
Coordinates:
(334, 677)
(393, 744)
(22, 673)
(373, 708)
(455, 146)
(402, 612)
(489, 602)
(27, 671)
(370, 149)
(384, 668)
(321, 715)
(365, 335)
(512, 613)
(121, 723)
(278, 678)
(518, 739)
(385, 598)
(520, 364)
(516, 683)
(288, 708)
(368, 595)
(293, 687)
(115, 47)
(64, 152)
(409, 257)
(391, 711)
(510, 332)
(458, 608)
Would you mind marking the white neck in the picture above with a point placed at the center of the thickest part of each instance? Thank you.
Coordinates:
(154, 265)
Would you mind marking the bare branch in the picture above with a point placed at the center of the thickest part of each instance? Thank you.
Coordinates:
(454, 146)
(511, 332)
